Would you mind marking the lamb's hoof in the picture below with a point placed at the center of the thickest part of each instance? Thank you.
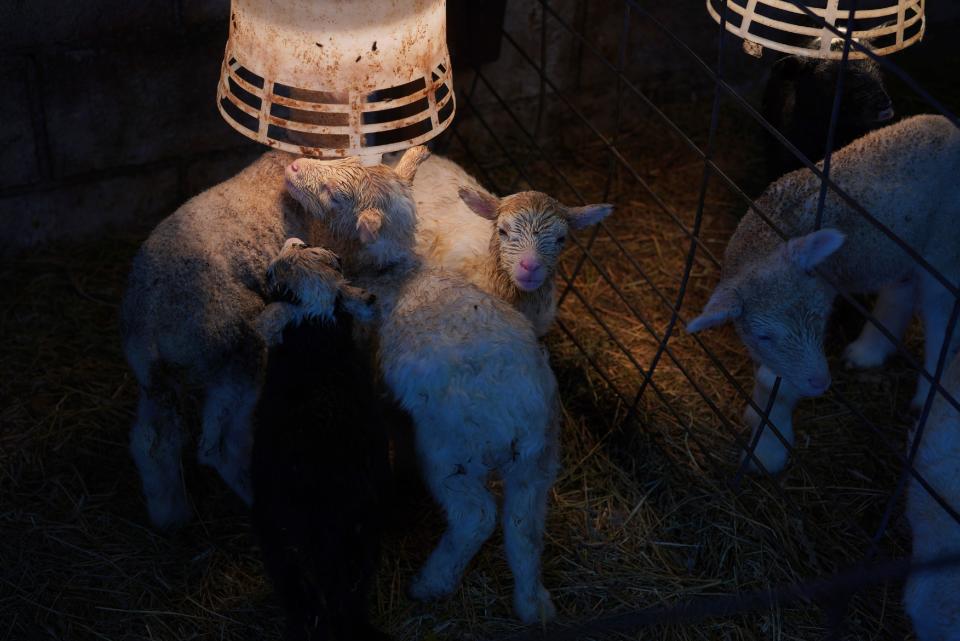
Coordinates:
(863, 355)
(240, 482)
(245, 491)
(929, 600)
(919, 398)
(535, 608)
(771, 454)
(169, 514)
(369, 632)
(426, 587)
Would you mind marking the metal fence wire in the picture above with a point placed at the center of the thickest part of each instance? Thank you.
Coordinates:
(831, 592)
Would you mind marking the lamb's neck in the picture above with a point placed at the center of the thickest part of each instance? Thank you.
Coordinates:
(538, 306)
(486, 273)
(385, 280)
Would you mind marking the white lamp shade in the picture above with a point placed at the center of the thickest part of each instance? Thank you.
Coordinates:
(335, 78)
(888, 25)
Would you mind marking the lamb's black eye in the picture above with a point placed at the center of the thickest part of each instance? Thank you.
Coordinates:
(502, 232)
(561, 240)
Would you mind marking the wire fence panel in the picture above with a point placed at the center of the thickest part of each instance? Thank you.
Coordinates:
(605, 259)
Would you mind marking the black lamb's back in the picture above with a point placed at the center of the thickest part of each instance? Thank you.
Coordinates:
(798, 102)
(320, 472)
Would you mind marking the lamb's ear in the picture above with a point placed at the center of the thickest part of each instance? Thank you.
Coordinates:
(358, 302)
(724, 305)
(580, 217)
(292, 244)
(407, 166)
(481, 203)
(368, 225)
(806, 252)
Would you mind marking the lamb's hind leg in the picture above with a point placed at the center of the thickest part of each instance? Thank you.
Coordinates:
(227, 441)
(526, 487)
(471, 516)
(156, 441)
(893, 309)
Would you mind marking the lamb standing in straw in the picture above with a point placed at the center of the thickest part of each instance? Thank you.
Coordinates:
(189, 322)
(508, 247)
(904, 175)
(465, 364)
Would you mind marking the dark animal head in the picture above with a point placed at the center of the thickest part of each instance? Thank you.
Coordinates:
(798, 101)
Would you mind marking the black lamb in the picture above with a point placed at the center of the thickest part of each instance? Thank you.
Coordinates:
(320, 472)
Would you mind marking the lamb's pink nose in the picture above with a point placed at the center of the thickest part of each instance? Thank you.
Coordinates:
(529, 264)
(294, 168)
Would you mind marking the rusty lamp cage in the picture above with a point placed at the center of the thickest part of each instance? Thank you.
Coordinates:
(813, 31)
(787, 25)
(322, 78)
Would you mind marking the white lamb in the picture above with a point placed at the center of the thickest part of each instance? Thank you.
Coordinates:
(189, 322)
(465, 364)
(905, 175)
(506, 246)
(932, 598)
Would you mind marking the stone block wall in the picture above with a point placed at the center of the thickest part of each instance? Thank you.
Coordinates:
(108, 114)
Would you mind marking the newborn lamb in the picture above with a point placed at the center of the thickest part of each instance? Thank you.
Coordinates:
(905, 176)
(195, 288)
(465, 364)
(511, 250)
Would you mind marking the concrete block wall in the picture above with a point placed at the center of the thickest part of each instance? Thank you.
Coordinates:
(108, 114)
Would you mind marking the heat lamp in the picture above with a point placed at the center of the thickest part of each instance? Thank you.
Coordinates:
(888, 25)
(336, 78)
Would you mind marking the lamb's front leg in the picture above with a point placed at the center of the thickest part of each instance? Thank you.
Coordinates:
(893, 309)
(770, 450)
(526, 488)
(471, 516)
(932, 597)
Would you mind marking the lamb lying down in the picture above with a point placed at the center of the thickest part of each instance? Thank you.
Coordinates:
(507, 246)
(465, 364)
(904, 175)
(320, 469)
(932, 599)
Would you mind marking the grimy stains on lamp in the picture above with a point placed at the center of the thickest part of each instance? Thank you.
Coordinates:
(889, 25)
(336, 78)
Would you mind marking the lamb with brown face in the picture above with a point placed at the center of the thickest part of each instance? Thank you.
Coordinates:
(530, 230)
(465, 364)
(355, 202)
(312, 278)
(507, 246)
